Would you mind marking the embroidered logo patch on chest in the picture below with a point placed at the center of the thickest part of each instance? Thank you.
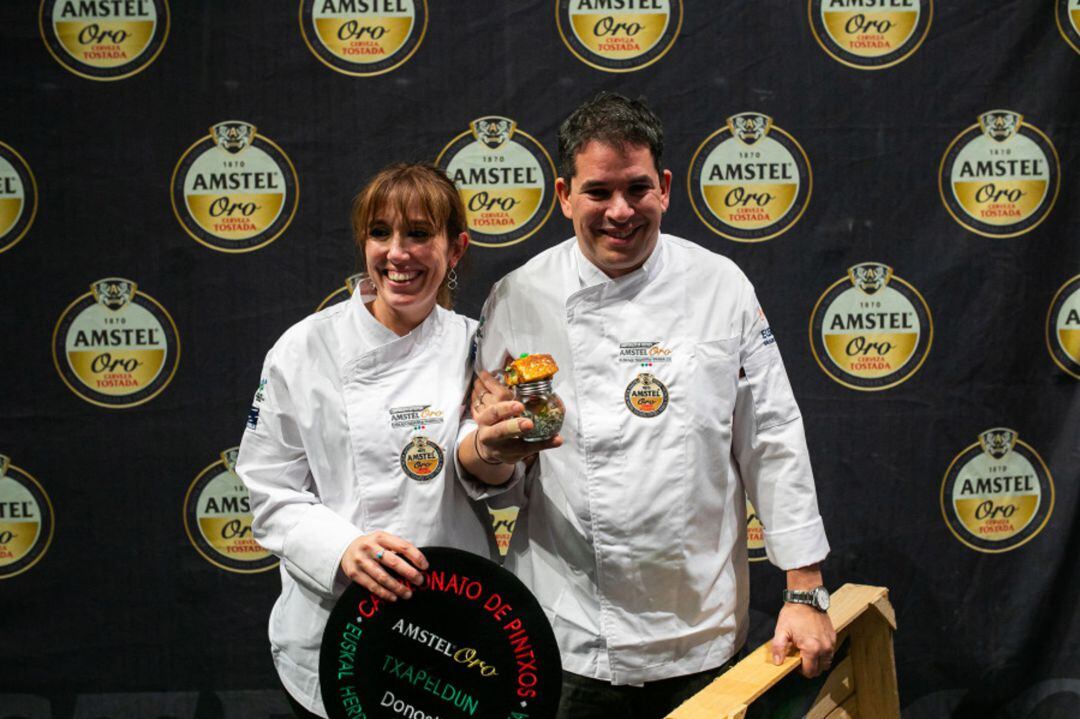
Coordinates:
(422, 459)
(646, 396)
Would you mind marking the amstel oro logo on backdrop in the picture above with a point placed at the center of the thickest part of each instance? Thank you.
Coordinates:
(115, 346)
(505, 177)
(363, 37)
(1063, 327)
(749, 181)
(217, 519)
(234, 190)
(870, 330)
(997, 494)
(870, 34)
(367, 288)
(1000, 177)
(619, 35)
(18, 197)
(104, 39)
(26, 520)
(1068, 21)
(755, 535)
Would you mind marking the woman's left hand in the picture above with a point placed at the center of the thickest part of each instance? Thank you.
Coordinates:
(498, 433)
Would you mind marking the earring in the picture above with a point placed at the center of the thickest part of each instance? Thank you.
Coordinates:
(451, 280)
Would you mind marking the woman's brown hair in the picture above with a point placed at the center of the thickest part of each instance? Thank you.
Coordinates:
(406, 186)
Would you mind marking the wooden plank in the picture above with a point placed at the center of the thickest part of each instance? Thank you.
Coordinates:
(838, 689)
(874, 667)
(754, 675)
(848, 710)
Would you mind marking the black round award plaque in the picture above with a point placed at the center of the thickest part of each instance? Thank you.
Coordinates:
(471, 643)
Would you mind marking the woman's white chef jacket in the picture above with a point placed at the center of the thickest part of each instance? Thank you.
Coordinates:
(340, 398)
(636, 527)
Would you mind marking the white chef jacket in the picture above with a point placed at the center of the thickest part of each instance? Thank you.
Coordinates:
(341, 398)
(636, 526)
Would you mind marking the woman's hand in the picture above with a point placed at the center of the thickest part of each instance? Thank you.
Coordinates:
(498, 434)
(367, 559)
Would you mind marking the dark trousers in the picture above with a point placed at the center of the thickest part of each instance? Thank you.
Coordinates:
(585, 698)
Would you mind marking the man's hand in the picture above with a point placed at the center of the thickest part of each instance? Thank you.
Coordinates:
(810, 631)
(367, 558)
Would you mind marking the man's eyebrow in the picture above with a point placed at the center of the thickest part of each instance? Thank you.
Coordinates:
(639, 180)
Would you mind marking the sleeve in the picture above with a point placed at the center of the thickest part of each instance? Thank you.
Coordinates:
(289, 518)
(769, 445)
(494, 337)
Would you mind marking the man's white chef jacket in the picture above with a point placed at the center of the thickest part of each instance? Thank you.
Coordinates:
(341, 397)
(636, 526)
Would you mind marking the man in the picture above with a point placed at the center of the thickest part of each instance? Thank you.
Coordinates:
(633, 534)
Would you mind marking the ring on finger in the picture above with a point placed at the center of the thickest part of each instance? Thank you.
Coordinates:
(379, 555)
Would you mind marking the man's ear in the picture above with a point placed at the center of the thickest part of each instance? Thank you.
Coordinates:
(665, 189)
(562, 191)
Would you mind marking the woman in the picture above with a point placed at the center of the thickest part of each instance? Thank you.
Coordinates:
(349, 453)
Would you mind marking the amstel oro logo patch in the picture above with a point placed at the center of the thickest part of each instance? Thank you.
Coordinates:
(422, 459)
(104, 39)
(363, 37)
(749, 181)
(870, 330)
(997, 494)
(870, 34)
(26, 520)
(1063, 327)
(217, 519)
(367, 288)
(505, 178)
(115, 346)
(234, 190)
(18, 197)
(646, 396)
(619, 35)
(1000, 177)
(755, 535)
(1068, 21)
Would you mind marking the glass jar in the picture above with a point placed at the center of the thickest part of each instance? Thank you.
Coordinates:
(543, 407)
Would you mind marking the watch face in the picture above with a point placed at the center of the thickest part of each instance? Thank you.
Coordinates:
(821, 598)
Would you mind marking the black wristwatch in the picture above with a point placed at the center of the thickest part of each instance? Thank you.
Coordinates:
(818, 597)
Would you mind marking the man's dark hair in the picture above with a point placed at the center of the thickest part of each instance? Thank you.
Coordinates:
(612, 119)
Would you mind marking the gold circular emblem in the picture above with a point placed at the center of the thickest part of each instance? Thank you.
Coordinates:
(234, 190)
(18, 197)
(749, 181)
(997, 494)
(870, 330)
(618, 37)
(363, 38)
(755, 535)
(114, 346)
(1001, 176)
(646, 396)
(26, 520)
(104, 40)
(506, 180)
(1063, 327)
(367, 288)
(1067, 16)
(217, 519)
(870, 36)
(422, 459)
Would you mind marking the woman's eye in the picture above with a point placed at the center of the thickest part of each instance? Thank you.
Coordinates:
(379, 232)
(420, 234)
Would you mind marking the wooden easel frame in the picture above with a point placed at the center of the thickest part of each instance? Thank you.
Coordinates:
(861, 686)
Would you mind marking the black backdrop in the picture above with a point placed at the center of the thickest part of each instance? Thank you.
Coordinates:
(121, 616)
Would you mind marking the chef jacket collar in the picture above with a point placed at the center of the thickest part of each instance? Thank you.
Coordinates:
(365, 338)
(589, 275)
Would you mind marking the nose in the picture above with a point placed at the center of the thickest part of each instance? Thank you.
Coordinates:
(398, 250)
(619, 209)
